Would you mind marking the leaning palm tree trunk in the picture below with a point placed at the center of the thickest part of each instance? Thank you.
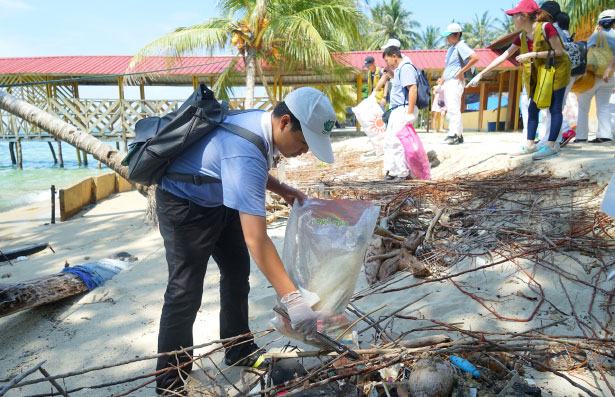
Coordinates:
(109, 156)
(61, 130)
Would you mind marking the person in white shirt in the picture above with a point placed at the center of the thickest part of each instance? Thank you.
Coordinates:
(459, 58)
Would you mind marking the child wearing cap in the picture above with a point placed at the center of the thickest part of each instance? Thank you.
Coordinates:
(373, 78)
(603, 86)
(537, 41)
(459, 58)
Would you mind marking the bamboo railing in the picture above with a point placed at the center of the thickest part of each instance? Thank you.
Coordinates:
(111, 119)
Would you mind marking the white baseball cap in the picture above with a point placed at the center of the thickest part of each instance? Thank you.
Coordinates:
(391, 43)
(316, 116)
(606, 14)
(452, 28)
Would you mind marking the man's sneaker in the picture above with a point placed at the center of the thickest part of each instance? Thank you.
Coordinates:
(460, 138)
(601, 140)
(449, 139)
(577, 140)
(455, 140)
(525, 150)
(544, 152)
(254, 358)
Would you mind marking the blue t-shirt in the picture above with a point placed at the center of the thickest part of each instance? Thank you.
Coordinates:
(403, 76)
(237, 162)
(610, 37)
(453, 66)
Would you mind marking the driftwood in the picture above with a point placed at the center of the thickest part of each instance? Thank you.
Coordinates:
(32, 293)
(25, 251)
(425, 341)
(386, 256)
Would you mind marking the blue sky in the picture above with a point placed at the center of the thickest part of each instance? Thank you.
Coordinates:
(31, 28)
(112, 27)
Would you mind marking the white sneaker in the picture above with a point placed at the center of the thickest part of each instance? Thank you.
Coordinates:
(525, 150)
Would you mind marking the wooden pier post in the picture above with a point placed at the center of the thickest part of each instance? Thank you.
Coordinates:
(53, 153)
(19, 154)
(12, 150)
(53, 204)
(60, 154)
(85, 158)
(78, 157)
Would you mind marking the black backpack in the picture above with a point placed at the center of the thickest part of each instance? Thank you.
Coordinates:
(159, 140)
(423, 94)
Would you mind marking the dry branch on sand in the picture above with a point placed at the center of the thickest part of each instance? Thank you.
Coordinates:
(441, 232)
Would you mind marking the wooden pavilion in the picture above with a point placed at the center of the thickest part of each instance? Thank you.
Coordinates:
(52, 83)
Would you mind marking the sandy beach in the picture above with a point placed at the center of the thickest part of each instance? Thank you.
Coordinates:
(119, 321)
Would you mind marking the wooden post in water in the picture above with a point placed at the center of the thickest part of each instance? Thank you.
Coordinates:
(19, 155)
(12, 151)
(53, 153)
(53, 204)
(85, 158)
(117, 145)
(60, 154)
(120, 83)
(78, 157)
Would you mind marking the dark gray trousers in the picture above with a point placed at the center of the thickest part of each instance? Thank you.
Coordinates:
(191, 235)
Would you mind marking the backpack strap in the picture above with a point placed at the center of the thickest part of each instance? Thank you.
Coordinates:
(416, 77)
(234, 129)
(246, 134)
(461, 62)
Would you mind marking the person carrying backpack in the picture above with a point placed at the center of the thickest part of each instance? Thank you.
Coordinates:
(226, 220)
(402, 111)
(460, 58)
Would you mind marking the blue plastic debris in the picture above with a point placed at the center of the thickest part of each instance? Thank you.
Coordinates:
(464, 365)
(94, 274)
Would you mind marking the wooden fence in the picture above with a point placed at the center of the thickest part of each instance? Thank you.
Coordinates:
(110, 119)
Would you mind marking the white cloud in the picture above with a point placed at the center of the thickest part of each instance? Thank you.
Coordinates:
(15, 5)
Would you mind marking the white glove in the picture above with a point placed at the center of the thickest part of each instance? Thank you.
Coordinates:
(474, 81)
(302, 318)
(409, 118)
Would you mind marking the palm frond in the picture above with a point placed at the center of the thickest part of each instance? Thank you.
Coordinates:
(211, 35)
(223, 86)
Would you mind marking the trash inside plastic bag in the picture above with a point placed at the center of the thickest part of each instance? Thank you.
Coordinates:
(416, 158)
(369, 115)
(324, 247)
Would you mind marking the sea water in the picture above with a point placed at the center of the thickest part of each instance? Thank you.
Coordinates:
(32, 183)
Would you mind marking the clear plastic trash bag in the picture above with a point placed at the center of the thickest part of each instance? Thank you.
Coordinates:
(324, 248)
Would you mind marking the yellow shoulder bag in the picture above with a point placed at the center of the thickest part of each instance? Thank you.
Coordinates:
(544, 85)
(599, 57)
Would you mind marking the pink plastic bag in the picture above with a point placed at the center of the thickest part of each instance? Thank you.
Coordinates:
(416, 158)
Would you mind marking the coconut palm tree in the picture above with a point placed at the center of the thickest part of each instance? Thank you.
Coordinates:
(480, 32)
(430, 38)
(506, 25)
(583, 15)
(286, 35)
(391, 20)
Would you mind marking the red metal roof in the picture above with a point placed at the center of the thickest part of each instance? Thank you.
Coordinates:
(114, 64)
(424, 59)
(117, 64)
